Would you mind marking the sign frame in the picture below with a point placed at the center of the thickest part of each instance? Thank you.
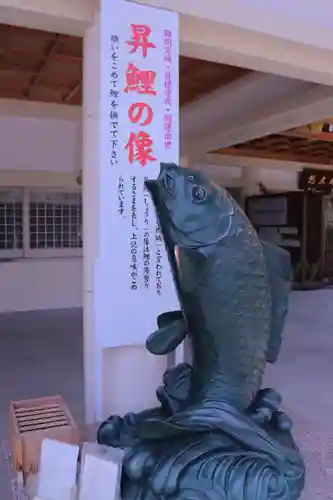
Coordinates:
(316, 180)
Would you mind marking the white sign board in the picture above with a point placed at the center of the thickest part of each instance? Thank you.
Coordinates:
(139, 115)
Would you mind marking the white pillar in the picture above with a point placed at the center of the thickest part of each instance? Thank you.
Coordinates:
(90, 190)
(120, 375)
(250, 180)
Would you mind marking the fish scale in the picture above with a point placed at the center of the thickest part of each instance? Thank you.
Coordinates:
(240, 337)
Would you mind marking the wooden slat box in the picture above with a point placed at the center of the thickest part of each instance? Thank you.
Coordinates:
(33, 420)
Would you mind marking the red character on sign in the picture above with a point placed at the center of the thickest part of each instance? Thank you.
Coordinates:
(140, 39)
(141, 81)
(140, 148)
(138, 110)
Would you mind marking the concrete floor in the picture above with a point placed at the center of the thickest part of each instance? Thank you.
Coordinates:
(41, 354)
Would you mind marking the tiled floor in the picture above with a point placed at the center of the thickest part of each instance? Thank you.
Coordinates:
(41, 354)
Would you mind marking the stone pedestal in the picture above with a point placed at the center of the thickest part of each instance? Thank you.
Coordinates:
(100, 472)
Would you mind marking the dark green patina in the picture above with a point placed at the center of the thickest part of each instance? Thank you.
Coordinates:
(216, 434)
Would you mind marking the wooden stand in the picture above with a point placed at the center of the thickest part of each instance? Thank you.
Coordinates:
(31, 421)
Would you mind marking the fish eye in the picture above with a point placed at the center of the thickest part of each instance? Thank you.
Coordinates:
(169, 183)
(199, 194)
(190, 178)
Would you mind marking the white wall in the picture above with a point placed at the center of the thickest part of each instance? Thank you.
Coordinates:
(37, 152)
(32, 284)
(36, 144)
(279, 180)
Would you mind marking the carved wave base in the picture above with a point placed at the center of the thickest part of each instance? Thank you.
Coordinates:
(214, 452)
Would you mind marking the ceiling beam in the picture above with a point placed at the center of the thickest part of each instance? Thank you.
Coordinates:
(276, 21)
(59, 16)
(298, 47)
(72, 93)
(231, 103)
(15, 89)
(30, 51)
(40, 110)
(267, 109)
(280, 156)
(221, 160)
(304, 133)
(50, 51)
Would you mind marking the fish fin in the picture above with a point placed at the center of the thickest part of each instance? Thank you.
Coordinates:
(279, 272)
(167, 338)
(166, 318)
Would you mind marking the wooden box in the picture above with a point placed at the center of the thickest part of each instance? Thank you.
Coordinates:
(33, 420)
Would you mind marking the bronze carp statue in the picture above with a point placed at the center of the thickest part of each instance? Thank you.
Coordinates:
(216, 434)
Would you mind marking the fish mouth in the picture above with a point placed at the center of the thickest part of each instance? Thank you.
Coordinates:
(160, 190)
(154, 187)
(164, 182)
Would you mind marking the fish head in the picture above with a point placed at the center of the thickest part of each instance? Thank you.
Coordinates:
(192, 210)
